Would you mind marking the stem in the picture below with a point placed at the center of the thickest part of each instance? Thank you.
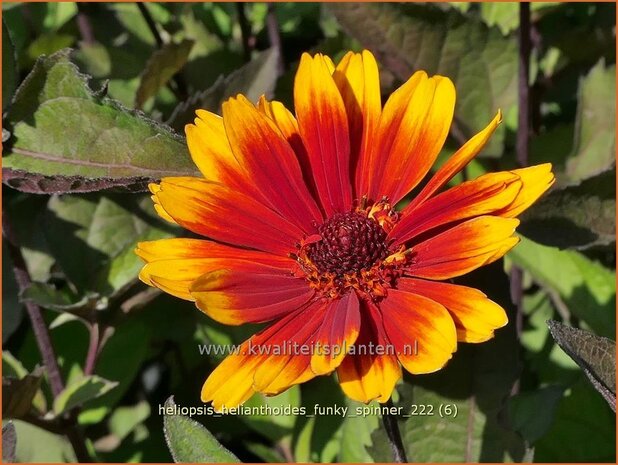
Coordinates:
(180, 87)
(43, 339)
(394, 435)
(77, 440)
(523, 146)
(523, 126)
(245, 30)
(41, 333)
(93, 349)
(53, 426)
(84, 25)
(274, 36)
(151, 24)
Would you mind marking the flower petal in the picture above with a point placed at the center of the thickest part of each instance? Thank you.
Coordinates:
(174, 264)
(323, 127)
(226, 215)
(358, 81)
(209, 147)
(269, 162)
(239, 292)
(463, 248)
(366, 375)
(154, 188)
(337, 334)
(486, 194)
(476, 317)
(421, 330)
(412, 130)
(457, 162)
(287, 124)
(231, 383)
(294, 342)
(245, 167)
(536, 180)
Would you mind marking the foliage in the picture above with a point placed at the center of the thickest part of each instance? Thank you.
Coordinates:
(95, 98)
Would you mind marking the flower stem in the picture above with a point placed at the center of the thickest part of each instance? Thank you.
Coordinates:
(93, 348)
(41, 333)
(523, 126)
(523, 144)
(394, 435)
(43, 338)
(151, 23)
(180, 86)
(274, 36)
(245, 30)
(84, 25)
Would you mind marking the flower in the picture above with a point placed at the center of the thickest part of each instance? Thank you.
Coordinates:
(303, 234)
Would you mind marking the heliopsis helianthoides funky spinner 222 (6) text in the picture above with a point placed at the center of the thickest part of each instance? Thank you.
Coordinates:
(301, 232)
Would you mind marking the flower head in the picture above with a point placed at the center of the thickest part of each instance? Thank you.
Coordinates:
(302, 232)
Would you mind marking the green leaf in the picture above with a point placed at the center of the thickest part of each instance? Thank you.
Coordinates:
(9, 443)
(35, 445)
(210, 56)
(13, 368)
(380, 448)
(589, 23)
(34, 183)
(474, 384)
(356, 433)
(80, 392)
(132, 20)
(505, 15)
(317, 437)
(62, 300)
(524, 409)
(595, 136)
(594, 354)
(256, 78)
(125, 420)
(93, 238)
(58, 14)
(94, 58)
(274, 427)
(408, 37)
(267, 453)
(586, 287)
(126, 431)
(62, 319)
(9, 68)
(189, 441)
(61, 128)
(18, 393)
(160, 68)
(46, 44)
(544, 357)
(584, 429)
(584, 214)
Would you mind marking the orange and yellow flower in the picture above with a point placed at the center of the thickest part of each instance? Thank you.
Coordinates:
(302, 231)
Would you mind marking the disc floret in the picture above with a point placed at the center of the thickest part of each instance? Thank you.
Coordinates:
(351, 250)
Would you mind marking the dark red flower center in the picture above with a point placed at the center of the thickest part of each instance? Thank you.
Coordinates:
(350, 242)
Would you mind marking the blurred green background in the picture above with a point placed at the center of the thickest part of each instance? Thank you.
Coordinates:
(77, 224)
